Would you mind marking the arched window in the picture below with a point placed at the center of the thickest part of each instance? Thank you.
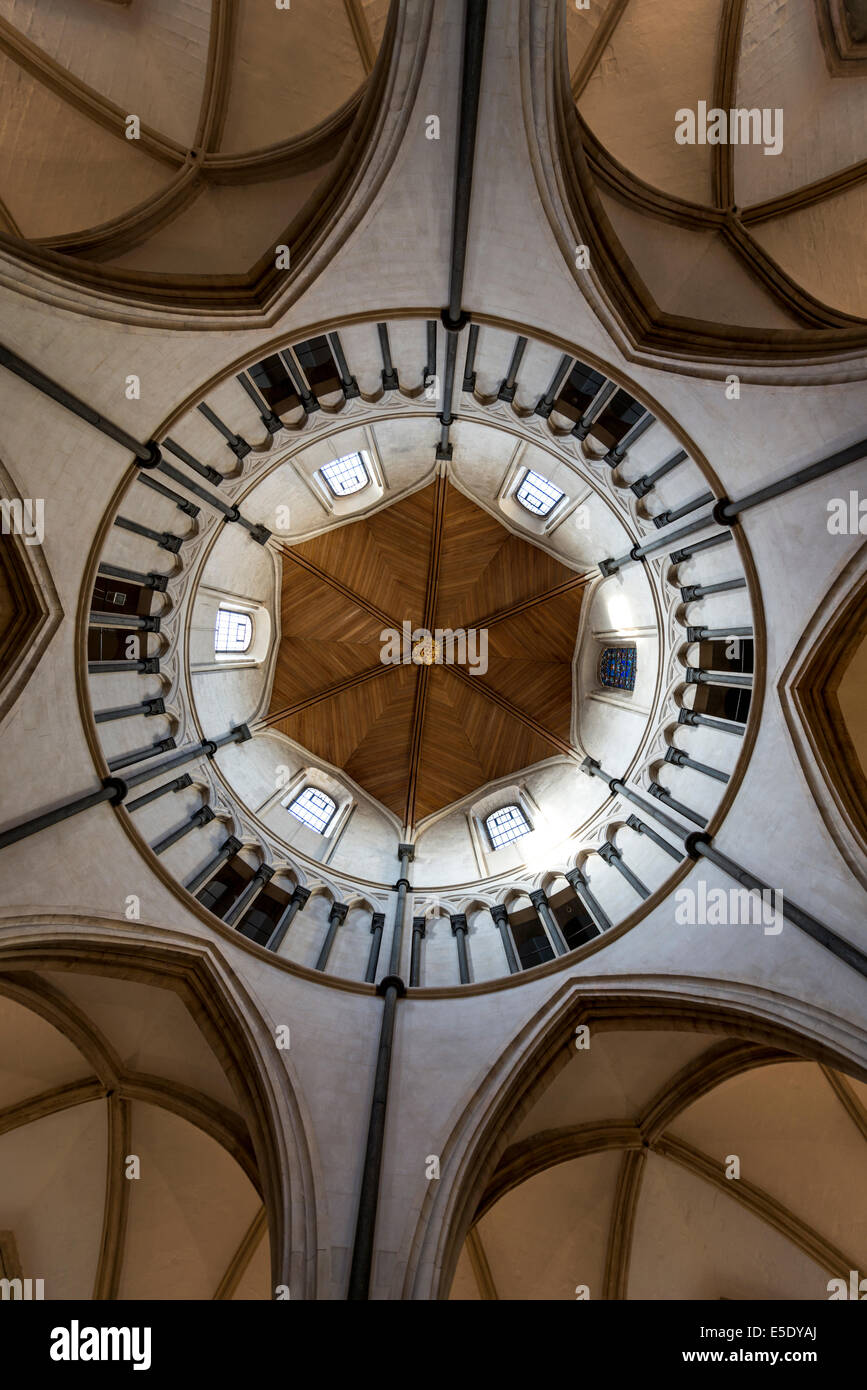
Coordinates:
(233, 631)
(506, 825)
(617, 667)
(346, 475)
(537, 494)
(314, 808)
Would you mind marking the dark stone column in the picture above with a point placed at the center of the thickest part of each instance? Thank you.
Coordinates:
(594, 409)
(239, 446)
(689, 716)
(248, 894)
(539, 899)
(146, 707)
(145, 666)
(294, 905)
(509, 385)
(638, 825)
(389, 375)
(377, 922)
(469, 381)
(675, 513)
(418, 931)
(135, 621)
(159, 582)
(501, 917)
(204, 816)
(141, 755)
(459, 932)
(700, 634)
(546, 404)
(335, 917)
(406, 854)
(164, 539)
(348, 384)
(614, 858)
(686, 552)
(579, 882)
(183, 505)
(616, 455)
(113, 789)
(695, 675)
(678, 758)
(648, 481)
(177, 784)
(690, 593)
(656, 789)
(188, 755)
(228, 848)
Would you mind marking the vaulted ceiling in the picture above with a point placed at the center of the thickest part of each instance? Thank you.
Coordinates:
(723, 243)
(420, 736)
(247, 114)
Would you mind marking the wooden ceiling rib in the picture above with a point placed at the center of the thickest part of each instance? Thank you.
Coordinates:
(420, 737)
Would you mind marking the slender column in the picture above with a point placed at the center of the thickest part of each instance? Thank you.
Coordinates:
(690, 592)
(675, 513)
(689, 716)
(696, 675)
(430, 368)
(302, 387)
(58, 393)
(159, 582)
(134, 621)
(147, 707)
(681, 759)
(638, 552)
(647, 482)
(459, 932)
(164, 539)
(113, 789)
(141, 755)
(616, 455)
(639, 826)
(444, 448)
(272, 422)
(418, 932)
(539, 899)
(183, 505)
(391, 988)
(229, 512)
(229, 847)
(686, 552)
(614, 858)
(469, 382)
(475, 17)
(187, 755)
(145, 665)
(295, 905)
(348, 384)
(335, 917)
(594, 409)
(377, 922)
(501, 917)
(579, 882)
(546, 403)
(177, 784)
(202, 817)
(509, 387)
(699, 845)
(731, 511)
(710, 634)
(389, 375)
(406, 854)
(656, 789)
(239, 446)
(248, 894)
(204, 470)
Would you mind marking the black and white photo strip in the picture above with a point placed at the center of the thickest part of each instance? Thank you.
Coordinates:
(433, 649)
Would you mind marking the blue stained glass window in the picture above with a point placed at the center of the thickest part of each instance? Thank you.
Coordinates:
(617, 667)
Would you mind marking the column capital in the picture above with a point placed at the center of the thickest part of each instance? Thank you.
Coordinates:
(264, 873)
(300, 895)
(576, 877)
(377, 922)
(338, 912)
(539, 898)
(408, 850)
(635, 824)
(459, 922)
(418, 925)
(231, 845)
(609, 852)
(500, 914)
(675, 756)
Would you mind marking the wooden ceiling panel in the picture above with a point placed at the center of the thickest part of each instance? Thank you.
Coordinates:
(484, 568)
(418, 745)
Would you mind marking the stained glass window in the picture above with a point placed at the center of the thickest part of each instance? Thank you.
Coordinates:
(506, 825)
(233, 631)
(314, 808)
(617, 667)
